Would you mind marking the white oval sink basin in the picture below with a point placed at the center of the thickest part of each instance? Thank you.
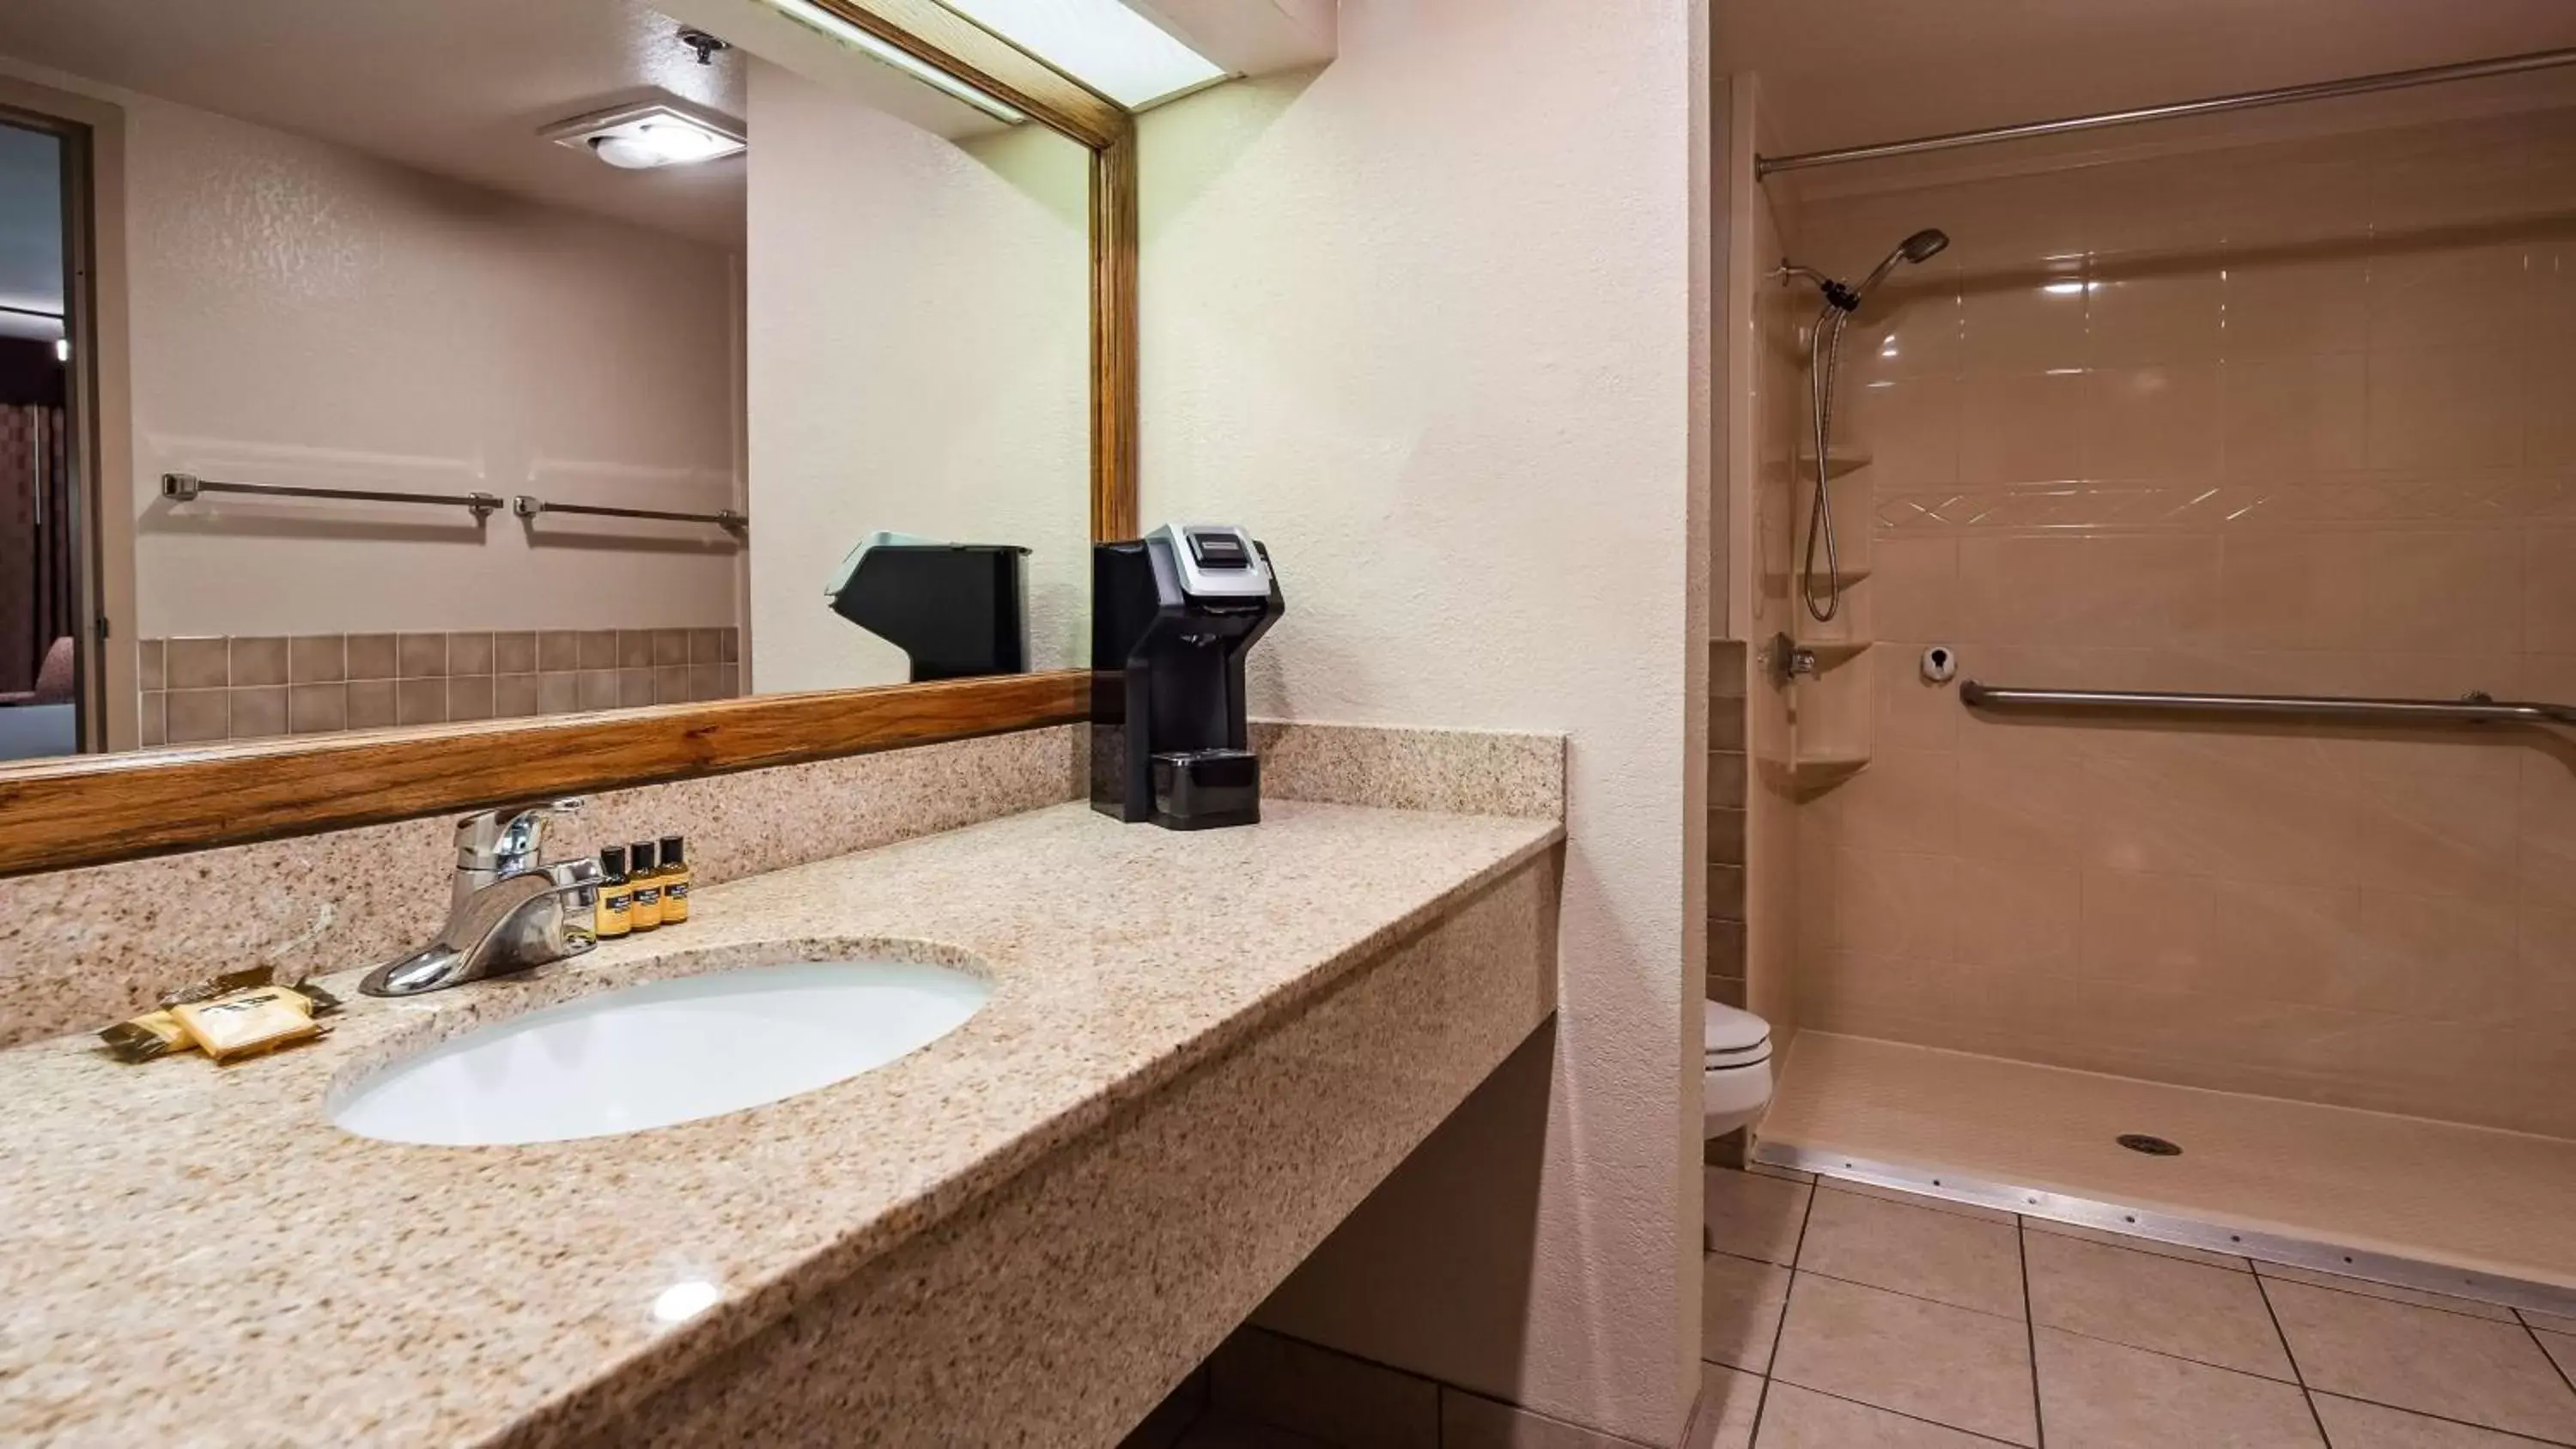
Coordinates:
(661, 1052)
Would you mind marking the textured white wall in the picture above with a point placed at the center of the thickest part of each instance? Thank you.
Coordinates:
(918, 327)
(1422, 320)
(305, 313)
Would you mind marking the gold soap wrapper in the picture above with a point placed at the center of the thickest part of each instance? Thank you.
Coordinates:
(153, 1034)
(221, 984)
(246, 1022)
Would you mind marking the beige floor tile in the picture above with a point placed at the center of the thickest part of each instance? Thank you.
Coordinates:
(1219, 1432)
(1928, 1360)
(1916, 1199)
(2420, 1358)
(2561, 1348)
(1753, 1217)
(1472, 1421)
(2095, 1395)
(2551, 1322)
(1729, 1402)
(1961, 1261)
(1270, 1378)
(2495, 1312)
(2352, 1424)
(2137, 1245)
(1796, 1418)
(2184, 1309)
(1739, 1310)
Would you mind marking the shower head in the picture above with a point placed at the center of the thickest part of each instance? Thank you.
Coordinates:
(1921, 247)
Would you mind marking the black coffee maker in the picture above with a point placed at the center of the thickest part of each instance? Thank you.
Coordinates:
(1172, 615)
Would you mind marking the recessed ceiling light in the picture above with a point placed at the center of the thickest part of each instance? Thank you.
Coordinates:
(1100, 43)
(649, 135)
(859, 38)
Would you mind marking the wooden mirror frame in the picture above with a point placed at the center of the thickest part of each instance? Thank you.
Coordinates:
(90, 809)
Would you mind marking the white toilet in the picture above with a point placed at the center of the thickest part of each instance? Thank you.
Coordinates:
(1737, 1082)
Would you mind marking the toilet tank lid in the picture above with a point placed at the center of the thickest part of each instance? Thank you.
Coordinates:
(1730, 1030)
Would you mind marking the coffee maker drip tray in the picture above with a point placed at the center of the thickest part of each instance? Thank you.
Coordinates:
(1197, 789)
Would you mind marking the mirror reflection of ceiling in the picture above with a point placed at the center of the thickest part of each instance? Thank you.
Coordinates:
(456, 87)
(31, 234)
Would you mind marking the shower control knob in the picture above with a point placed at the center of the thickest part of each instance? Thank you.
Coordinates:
(1940, 664)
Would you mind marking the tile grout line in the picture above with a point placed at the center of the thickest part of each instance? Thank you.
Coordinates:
(1744, 1258)
(1762, 1395)
(2516, 1436)
(1780, 1330)
(2514, 1314)
(2262, 1284)
(1920, 1298)
(2030, 1327)
(1901, 1197)
(2225, 1368)
(1901, 1414)
(2107, 1240)
(1763, 1400)
(2546, 1356)
(2307, 1395)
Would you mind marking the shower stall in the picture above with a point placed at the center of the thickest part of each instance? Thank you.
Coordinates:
(2162, 796)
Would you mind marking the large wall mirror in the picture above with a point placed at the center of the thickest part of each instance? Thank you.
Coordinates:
(403, 405)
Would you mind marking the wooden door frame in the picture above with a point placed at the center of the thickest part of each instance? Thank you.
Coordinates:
(96, 402)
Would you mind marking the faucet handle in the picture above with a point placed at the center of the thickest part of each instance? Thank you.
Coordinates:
(510, 840)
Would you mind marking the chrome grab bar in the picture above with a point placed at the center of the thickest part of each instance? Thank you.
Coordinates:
(2469, 709)
(527, 506)
(182, 487)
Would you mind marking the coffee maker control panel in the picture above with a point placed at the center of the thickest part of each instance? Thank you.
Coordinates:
(1216, 561)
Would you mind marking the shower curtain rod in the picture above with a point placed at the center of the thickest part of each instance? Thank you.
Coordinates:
(2208, 106)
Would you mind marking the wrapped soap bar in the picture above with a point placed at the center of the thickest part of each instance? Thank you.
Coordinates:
(248, 1022)
(234, 1022)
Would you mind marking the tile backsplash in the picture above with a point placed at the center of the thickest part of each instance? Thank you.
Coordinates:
(219, 687)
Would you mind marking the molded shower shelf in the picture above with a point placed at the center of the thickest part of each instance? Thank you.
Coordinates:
(1810, 773)
(1837, 463)
(1831, 653)
(1780, 584)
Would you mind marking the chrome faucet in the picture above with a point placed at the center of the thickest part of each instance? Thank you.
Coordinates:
(509, 910)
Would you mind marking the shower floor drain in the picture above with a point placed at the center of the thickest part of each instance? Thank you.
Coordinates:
(2150, 1145)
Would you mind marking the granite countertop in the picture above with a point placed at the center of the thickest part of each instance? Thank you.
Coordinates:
(197, 1256)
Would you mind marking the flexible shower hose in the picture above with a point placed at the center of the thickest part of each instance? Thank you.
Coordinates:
(1824, 356)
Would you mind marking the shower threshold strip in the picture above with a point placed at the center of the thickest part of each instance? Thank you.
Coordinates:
(2180, 1229)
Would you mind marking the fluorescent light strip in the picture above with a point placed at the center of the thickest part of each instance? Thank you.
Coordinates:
(815, 17)
(1101, 43)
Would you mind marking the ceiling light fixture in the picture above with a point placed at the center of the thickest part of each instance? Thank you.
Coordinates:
(1101, 43)
(649, 135)
(814, 17)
